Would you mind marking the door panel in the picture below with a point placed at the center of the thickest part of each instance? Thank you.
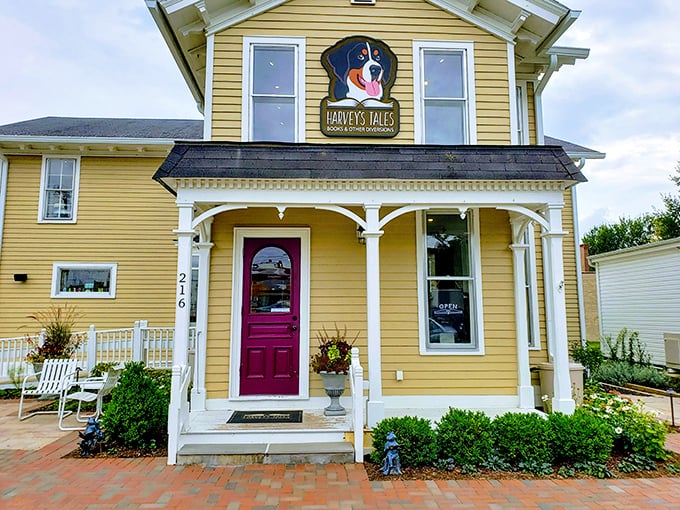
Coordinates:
(270, 335)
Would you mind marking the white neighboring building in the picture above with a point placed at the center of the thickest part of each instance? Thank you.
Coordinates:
(639, 289)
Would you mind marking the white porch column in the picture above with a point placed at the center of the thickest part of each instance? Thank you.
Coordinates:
(525, 391)
(562, 401)
(372, 234)
(198, 391)
(185, 235)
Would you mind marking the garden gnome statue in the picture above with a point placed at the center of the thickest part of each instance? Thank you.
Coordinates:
(391, 463)
(91, 437)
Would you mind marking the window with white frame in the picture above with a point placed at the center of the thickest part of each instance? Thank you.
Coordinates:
(522, 114)
(59, 189)
(444, 92)
(530, 286)
(273, 89)
(451, 284)
(84, 280)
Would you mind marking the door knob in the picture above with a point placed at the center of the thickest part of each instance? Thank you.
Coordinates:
(293, 328)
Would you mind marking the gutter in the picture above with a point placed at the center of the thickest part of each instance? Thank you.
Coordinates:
(538, 100)
(579, 268)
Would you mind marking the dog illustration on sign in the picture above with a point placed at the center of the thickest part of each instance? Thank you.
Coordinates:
(362, 69)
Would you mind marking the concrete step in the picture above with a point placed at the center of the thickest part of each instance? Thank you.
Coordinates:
(338, 452)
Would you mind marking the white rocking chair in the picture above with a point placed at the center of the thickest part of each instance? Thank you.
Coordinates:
(99, 386)
(55, 378)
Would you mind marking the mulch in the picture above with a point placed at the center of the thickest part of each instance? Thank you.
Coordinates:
(430, 473)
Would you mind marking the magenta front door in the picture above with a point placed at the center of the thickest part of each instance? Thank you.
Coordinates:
(270, 333)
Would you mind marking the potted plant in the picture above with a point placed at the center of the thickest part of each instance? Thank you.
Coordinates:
(332, 361)
(57, 340)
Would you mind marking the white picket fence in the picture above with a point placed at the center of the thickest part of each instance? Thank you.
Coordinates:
(151, 344)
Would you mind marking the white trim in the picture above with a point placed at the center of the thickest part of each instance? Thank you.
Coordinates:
(74, 191)
(299, 46)
(512, 92)
(4, 172)
(209, 73)
(467, 47)
(240, 233)
(476, 312)
(57, 267)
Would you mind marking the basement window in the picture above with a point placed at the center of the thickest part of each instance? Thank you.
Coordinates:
(83, 280)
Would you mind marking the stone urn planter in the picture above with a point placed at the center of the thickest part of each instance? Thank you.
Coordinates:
(334, 385)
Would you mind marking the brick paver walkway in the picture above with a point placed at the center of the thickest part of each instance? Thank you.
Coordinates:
(41, 479)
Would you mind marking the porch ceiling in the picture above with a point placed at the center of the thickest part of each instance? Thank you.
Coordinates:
(225, 160)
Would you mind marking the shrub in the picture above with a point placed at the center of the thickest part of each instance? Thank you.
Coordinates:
(635, 429)
(627, 348)
(138, 412)
(620, 373)
(589, 355)
(523, 438)
(465, 437)
(580, 437)
(415, 437)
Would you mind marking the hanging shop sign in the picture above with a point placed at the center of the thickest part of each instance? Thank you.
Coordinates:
(362, 71)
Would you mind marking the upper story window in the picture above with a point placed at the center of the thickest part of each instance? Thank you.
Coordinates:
(273, 89)
(444, 92)
(450, 285)
(59, 189)
(522, 114)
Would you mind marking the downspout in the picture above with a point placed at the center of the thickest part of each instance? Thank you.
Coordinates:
(579, 268)
(4, 166)
(538, 101)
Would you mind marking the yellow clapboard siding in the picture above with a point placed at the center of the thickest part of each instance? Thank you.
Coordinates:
(323, 25)
(129, 215)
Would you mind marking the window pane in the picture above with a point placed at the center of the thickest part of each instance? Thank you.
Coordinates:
(274, 70)
(443, 74)
(85, 280)
(270, 281)
(273, 119)
(444, 122)
(58, 204)
(448, 252)
(449, 312)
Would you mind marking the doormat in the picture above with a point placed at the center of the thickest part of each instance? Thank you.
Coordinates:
(265, 417)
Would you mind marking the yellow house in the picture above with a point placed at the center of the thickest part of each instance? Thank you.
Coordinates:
(376, 165)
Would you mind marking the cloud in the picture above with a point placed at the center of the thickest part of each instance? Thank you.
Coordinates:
(84, 58)
(623, 100)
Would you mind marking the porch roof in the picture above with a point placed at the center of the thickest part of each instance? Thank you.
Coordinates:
(256, 160)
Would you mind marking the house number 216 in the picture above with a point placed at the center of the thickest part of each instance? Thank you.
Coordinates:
(181, 302)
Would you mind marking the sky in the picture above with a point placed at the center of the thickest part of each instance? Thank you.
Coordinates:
(85, 58)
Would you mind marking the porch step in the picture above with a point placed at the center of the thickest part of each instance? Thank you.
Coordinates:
(338, 452)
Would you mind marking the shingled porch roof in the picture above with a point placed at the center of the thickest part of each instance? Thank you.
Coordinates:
(253, 160)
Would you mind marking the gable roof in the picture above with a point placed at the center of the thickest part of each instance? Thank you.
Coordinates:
(253, 160)
(532, 26)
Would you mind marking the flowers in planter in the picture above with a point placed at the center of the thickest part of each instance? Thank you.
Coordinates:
(58, 342)
(335, 352)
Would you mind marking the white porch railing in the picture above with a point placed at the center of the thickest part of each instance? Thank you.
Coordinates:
(356, 383)
(142, 342)
(178, 411)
